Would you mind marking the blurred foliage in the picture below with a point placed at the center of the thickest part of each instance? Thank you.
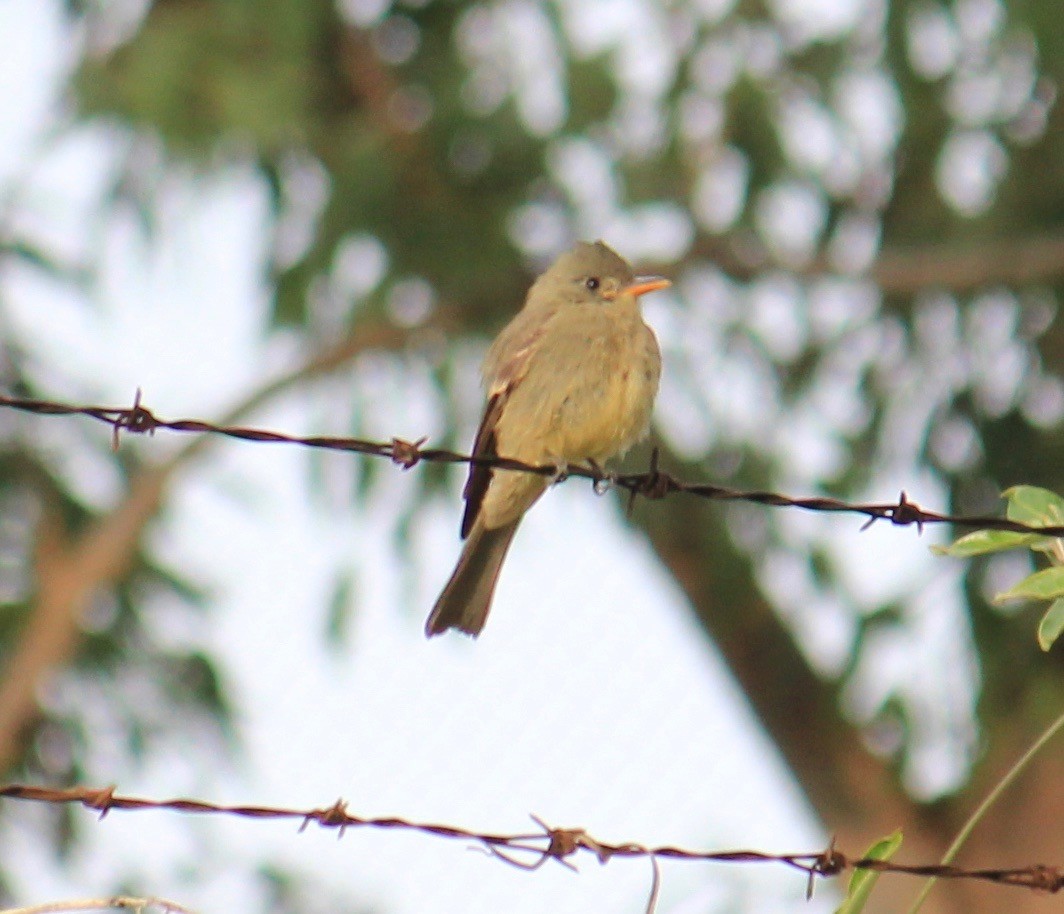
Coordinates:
(823, 192)
(406, 162)
(1037, 508)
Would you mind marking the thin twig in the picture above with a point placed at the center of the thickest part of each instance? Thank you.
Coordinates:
(1010, 776)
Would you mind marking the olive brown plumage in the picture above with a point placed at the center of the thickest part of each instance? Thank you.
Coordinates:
(571, 379)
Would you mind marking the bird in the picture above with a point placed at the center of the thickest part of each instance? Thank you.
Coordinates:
(572, 378)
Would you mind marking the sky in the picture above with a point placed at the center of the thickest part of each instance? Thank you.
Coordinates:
(591, 700)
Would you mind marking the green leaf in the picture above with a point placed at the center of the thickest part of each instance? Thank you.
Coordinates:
(863, 881)
(983, 541)
(1051, 626)
(1047, 584)
(1049, 545)
(1034, 506)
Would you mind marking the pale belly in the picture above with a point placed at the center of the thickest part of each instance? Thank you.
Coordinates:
(593, 407)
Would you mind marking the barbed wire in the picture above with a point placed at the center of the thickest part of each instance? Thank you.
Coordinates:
(122, 902)
(653, 484)
(531, 850)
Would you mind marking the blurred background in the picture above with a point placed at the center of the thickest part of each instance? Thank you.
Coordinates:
(312, 216)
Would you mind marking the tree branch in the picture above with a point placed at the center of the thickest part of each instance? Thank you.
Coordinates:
(907, 270)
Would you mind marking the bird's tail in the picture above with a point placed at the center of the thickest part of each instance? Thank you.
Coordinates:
(466, 599)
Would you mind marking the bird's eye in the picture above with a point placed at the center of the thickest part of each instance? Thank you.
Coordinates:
(592, 282)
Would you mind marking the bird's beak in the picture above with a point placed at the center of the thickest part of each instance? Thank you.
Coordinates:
(644, 284)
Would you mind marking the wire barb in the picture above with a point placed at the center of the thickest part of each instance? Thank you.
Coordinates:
(407, 453)
(828, 863)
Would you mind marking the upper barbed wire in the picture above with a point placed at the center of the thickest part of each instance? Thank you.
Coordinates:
(654, 483)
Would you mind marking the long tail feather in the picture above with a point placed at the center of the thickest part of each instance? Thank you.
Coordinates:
(466, 599)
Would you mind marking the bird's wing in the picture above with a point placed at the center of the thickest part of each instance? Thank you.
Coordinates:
(506, 376)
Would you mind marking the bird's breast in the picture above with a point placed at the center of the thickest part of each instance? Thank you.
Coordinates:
(610, 395)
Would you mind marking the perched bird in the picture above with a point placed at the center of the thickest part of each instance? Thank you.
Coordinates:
(572, 378)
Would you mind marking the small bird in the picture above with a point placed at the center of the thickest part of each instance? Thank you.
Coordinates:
(572, 378)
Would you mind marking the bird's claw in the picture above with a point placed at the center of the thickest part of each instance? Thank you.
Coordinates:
(561, 473)
(603, 480)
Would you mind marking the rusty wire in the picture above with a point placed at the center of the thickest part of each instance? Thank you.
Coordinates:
(531, 850)
(121, 902)
(654, 483)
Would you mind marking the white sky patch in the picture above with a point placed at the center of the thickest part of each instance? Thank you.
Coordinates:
(1020, 77)
(837, 397)
(540, 228)
(807, 450)
(638, 125)
(168, 301)
(774, 312)
(1000, 361)
(808, 131)
(869, 105)
(720, 191)
(637, 35)
(823, 624)
(979, 21)
(681, 415)
(855, 241)
(305, 185)
(716, 64)
(933, 42)
(931, 644)
(586, 172)
(973, 98)
(1043, 402)
(161, 302)
(879, 566)
(594, 26)
(701, 117)
(410, 301)
(651, 231)
(364, 13)
(955, 444)
(818, 20)
(537, 67)
(62, 196)
(359, 265)
(511, 49)
(790, 216)
(969, 168)
(714, 10)
(838, 304)
(760, 49)
(741, 391)
(646, 59)
(32, 70)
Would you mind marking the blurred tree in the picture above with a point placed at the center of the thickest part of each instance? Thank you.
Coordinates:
(862, 206)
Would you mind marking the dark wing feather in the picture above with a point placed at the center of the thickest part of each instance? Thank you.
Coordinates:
(476, 486)
(519, 340)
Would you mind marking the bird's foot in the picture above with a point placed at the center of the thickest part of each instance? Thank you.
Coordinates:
(603, 480)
